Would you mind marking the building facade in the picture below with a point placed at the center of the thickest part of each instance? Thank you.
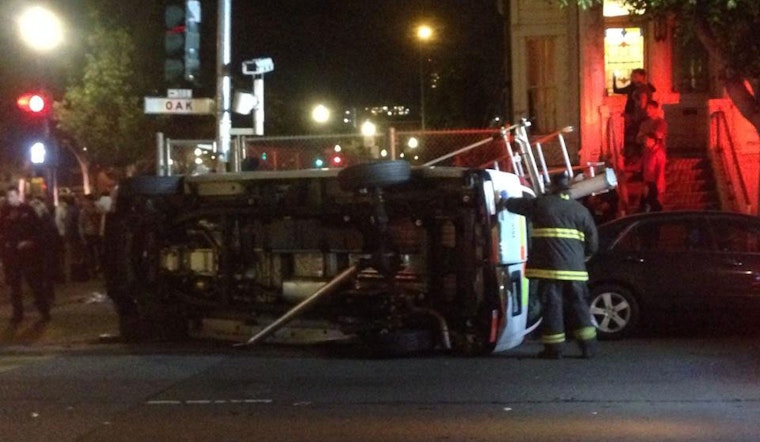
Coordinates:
(561, 62)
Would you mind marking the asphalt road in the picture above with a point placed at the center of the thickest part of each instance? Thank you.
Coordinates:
(64, 383)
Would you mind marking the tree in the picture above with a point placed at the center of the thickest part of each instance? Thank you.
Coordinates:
(728, 31)
(102, 110)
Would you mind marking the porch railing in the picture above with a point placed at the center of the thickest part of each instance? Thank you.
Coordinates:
(730, 180)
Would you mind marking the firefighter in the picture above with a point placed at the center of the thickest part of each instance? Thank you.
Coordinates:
(563, 236)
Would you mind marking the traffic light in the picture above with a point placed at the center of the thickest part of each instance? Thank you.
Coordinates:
(337, 157)
(182, 41)
(34, 104)
(38, 153)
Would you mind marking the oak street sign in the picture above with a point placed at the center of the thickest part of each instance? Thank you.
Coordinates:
(163, 105)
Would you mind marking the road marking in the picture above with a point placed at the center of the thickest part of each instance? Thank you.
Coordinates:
(210, 401)
(13, 362)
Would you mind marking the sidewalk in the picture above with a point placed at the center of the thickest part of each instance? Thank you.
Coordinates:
(81, 314)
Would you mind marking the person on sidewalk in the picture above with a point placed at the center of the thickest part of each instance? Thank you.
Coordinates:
(89, 230)
(563, 235)
(653, 164)
(22, 238)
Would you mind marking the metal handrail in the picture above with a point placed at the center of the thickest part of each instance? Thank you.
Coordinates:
(717, 118)
(537, 142)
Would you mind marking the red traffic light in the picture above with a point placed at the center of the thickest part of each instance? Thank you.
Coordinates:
(33, 103)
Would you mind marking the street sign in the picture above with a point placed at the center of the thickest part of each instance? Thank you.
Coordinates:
(179, 93)
(162, 105)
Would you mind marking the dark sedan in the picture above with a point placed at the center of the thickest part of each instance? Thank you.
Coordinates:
(673, 261)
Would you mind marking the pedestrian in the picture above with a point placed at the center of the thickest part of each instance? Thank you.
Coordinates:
(639, 92)
(52, 244)
(89, 229)
(61, 212)
(103, 204)
(77, 266)
(563, 235)
(653, 164)
(23, 250)
(654, 125)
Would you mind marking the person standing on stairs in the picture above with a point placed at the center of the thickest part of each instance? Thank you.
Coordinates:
(653, 173)
(639, 93)
(654, 125)
(653, 130)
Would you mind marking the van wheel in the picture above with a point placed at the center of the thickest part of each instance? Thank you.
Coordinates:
(377, 174)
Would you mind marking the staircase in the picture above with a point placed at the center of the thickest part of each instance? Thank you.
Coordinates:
(690, 184)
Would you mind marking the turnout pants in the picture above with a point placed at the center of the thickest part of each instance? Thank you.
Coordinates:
(558, 296)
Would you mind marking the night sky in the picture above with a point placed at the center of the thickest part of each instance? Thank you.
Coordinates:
(345, 52)
(359, 49)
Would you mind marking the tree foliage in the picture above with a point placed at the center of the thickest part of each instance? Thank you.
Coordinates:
(102, 110)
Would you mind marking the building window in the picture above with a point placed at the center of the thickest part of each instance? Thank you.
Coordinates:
(690, 66)
(623, 52)
(542, 83)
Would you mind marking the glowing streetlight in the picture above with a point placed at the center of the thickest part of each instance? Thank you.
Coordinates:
(320, 114)
(40, 29)
(424, 34)
(368, 129)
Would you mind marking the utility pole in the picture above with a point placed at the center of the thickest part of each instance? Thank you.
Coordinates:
(223, 85)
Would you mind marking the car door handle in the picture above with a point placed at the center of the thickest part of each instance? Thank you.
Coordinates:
(634, 259)
(734, 263)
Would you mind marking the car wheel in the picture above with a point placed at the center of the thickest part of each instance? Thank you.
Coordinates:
(614, 311)
(377, 174)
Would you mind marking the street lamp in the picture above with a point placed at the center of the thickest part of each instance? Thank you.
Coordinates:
(424, 34)
(320, 114)
(40, 29)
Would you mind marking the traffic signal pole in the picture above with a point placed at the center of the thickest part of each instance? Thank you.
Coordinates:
(223, 85)
(43, 152)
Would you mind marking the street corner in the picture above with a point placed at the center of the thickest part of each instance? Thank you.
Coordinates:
(81, 315)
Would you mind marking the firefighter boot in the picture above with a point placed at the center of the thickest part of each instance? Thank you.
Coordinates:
(551, 351)
(588, 348)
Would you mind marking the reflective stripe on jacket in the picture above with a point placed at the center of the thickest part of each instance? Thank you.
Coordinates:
(563, 235)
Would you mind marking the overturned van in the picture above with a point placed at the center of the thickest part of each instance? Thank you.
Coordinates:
(401, 258)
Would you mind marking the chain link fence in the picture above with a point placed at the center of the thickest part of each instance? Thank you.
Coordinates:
(463, 148)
